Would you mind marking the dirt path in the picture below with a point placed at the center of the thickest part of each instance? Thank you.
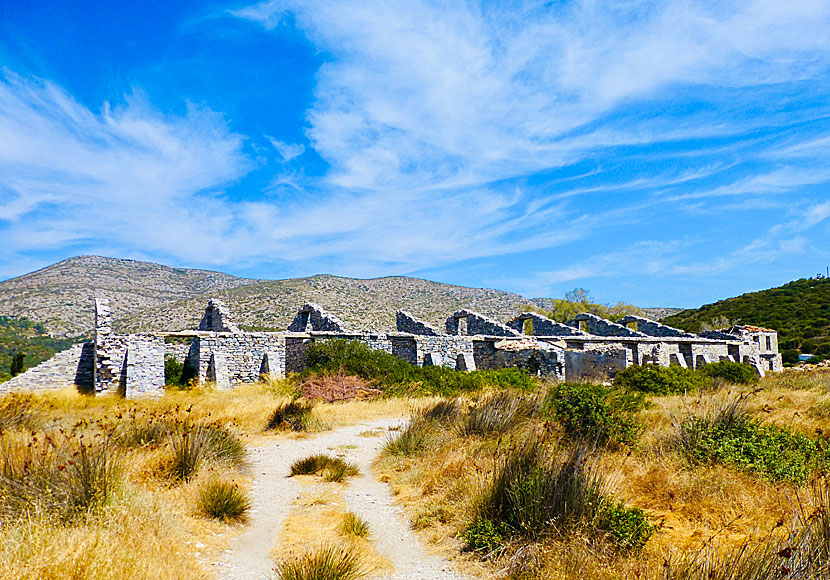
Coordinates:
(273, 493)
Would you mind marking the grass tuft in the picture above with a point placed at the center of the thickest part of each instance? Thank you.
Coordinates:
(497, 414)
(331, 468)
(354, 526)
(223, 500)
(198, 443)
(19, 411)
(295, 416)
(327, 563)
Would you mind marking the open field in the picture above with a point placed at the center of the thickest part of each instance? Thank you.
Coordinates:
(106, 488)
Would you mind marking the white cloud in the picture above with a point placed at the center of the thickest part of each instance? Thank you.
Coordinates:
(288, 151)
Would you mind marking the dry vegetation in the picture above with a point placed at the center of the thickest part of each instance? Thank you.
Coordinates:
(98, 487)
(709, 517)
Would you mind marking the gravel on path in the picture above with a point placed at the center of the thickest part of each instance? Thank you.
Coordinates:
(273, 492)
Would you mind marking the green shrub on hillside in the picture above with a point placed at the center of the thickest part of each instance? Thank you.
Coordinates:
(597, 412)
(173, 370)
(657, 380)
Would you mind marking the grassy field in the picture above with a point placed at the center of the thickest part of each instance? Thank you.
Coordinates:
(658, 486)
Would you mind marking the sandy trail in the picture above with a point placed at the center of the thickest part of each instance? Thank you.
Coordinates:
(273, 493)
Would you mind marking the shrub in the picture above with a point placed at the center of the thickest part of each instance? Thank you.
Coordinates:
(332, 468)
(17, 365)
(354, 526)
(396, 376)
(485, 536)
(730, 434)
(325, 564)
(657, 380)
(295, 415)
(195, 444)
(412, 440)
(535, 489)
(628, 528)
(173, 371)
(733, 372)
(223, 500)
(596, 412)
(60, 475)
(496, 414)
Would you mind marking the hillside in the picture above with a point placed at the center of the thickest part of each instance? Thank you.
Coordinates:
(22, 335)
(799, 311)
(60, 297)
(361, 304)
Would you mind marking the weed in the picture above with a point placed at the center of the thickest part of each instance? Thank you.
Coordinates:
(595, 412)
(412, 440)
(496, 414)
(628, 528)
(223, 500)
(61, 475)
(195, 444)
(729, 433)
(332, 468)
(19, 411)
(152, 429)
(327, 563)
(354, 526)
(295, 415)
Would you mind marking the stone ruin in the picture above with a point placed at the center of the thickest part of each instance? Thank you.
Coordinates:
(132, 365)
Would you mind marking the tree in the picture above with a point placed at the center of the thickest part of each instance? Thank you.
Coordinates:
(17, 365)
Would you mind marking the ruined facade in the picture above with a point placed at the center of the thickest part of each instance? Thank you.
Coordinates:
(588, 346)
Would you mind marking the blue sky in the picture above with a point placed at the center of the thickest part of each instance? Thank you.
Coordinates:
(660, 153)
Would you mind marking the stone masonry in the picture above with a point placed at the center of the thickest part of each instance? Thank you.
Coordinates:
(220, 353)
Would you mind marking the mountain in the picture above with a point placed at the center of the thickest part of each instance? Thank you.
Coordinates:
(799, 311)
(361, 304)
(60, 297)
(147, 297)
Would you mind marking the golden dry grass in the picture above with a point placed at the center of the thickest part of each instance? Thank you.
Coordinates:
(707, 505)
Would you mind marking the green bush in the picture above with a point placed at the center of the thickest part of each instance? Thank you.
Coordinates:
(730, 434)
(657, 380)
(395, 376)
(628, 528)
(596, 412)
(17, 366)
(485, 536)
(733, 372)
(173, 371)
(324, 564)
(223, 500)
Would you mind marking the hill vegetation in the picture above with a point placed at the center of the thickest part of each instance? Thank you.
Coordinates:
(799, 311)
(22, 336)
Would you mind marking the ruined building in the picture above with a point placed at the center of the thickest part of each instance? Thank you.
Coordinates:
(132, 365)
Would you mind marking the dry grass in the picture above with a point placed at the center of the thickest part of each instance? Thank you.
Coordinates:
(711, 506)
(315, 522)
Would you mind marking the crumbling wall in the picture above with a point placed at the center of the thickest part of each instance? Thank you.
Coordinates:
(653, 328)
(143, 367)
(217, 318)
(469, 323)
(534, 357)
(313, 317)
(241, 354)
(405, 322)
(598, 364)
(601, 327)
(69, 368)
(543, 326)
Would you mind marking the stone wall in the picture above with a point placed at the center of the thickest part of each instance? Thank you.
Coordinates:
(314, 317)
(242, 355)
(405, 322)
(469, 323)
(543, 326)
(600, 327)
(143, 367)
(653, 328)
(217, 318)
(595, 364)
(69, 368)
